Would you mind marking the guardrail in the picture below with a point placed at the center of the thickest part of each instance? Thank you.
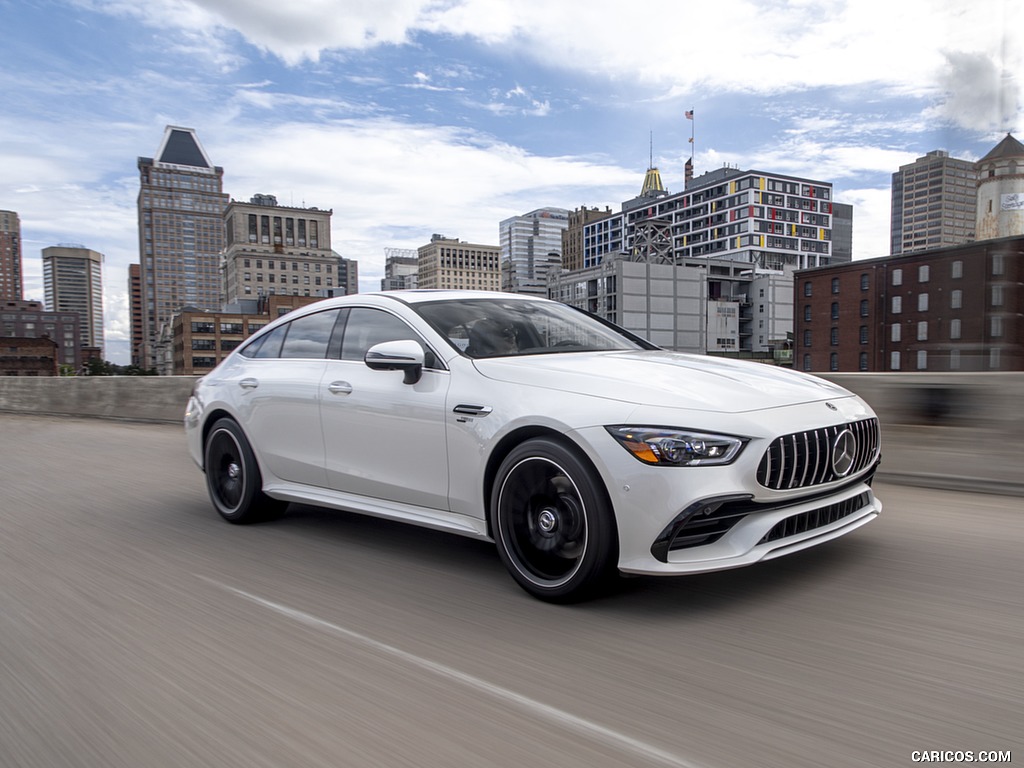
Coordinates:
(953, 431)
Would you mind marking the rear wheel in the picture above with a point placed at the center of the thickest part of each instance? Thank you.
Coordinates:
(552, 522)
(233, 476)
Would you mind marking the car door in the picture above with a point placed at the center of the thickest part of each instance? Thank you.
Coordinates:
(383, 438)
(281, 400)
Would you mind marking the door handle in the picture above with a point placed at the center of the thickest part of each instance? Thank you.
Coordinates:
(339, 388)
(249, 383)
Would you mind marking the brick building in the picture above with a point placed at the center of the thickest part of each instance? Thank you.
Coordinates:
(959, 308)
(200, 340)
(30, 320)
(21, 356)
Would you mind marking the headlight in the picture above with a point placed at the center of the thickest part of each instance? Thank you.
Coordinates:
(677, 447)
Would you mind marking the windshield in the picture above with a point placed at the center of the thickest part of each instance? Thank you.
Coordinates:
(500, 328)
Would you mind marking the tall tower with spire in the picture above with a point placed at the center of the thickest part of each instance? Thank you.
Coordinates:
(181, 233)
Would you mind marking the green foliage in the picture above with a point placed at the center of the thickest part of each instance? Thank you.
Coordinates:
(107, 368)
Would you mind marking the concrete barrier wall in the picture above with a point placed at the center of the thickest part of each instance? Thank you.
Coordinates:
(953, 431)
(159, 399)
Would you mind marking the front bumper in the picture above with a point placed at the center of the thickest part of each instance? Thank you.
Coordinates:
(729, 532)
(683, 520)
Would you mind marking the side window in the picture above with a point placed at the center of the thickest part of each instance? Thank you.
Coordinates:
(366, 327)
(271, 346)
(308, 336)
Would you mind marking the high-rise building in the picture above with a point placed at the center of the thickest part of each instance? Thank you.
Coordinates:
(933, 203)
(12, 284)
(273, 249)
(181, 232)
(451, 263)
(73, 281)
(531, 245)
(399, 269)
(348, 277)
(1001, 191)
(842, 233)
(572, 237)
(135, 309)
(770, 221)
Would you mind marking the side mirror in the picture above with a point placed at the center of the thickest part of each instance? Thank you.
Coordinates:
(405, 355)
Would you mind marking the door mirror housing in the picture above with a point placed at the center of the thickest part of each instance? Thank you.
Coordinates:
(405, 355)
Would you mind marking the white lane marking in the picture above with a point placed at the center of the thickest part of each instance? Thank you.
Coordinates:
(532, 706)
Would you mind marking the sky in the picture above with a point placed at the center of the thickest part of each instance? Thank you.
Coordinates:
(414, 117)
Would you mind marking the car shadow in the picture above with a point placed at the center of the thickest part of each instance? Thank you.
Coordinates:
(395, 545)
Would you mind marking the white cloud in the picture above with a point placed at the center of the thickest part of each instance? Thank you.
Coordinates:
(871, 220)
(394, 184)
(737, 45)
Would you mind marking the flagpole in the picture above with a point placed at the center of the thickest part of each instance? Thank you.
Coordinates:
(689, 116)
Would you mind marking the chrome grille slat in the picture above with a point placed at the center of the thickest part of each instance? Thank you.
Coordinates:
(804, 459)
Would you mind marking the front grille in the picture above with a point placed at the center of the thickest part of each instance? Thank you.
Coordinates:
(815, 518)
(804, 459)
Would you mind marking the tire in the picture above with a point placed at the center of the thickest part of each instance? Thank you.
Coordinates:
(553, 523)
(233, 477)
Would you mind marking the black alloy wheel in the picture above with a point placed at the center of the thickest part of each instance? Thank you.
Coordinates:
(552, 521)
(233, 476)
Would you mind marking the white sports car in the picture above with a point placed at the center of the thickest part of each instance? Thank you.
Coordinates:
(580, 449)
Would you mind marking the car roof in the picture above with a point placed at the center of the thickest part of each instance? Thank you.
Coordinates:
(420, 295)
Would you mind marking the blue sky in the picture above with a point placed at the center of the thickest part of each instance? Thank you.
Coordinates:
(410, 117)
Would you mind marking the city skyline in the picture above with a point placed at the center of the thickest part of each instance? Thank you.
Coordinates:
(409, 118)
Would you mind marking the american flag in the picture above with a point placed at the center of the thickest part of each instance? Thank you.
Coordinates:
(689, 114)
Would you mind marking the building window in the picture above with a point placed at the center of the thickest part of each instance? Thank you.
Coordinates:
(894, 361)
(998, 266)
(993, 358)
(835, 285)
(864, 308)
(807, 337)
(954, 328)
(997, 326)
(833, 362)
(922, 360)
(807, 313)
(958, 270)
(833, 337)
(864, 283)
(897, 277)
(922, 273)
(922, 330)
(896, 332)
(922, 302)
(863, 361)
(807, 362)
(863, 334)
(807, 288)
(956, 299)
(954, 359)
(997, 295)
(897, 304)
(835, 310)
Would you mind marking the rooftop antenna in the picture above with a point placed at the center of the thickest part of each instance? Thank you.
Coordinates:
(651, 164)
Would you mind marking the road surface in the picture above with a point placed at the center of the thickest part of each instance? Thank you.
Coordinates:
(137, 629)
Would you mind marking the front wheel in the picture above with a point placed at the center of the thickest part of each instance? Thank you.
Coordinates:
(233, 476)
(552, 522)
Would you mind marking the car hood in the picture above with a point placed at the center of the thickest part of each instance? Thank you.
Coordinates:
(662, 378)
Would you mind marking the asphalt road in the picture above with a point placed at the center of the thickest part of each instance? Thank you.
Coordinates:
(137, 629)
